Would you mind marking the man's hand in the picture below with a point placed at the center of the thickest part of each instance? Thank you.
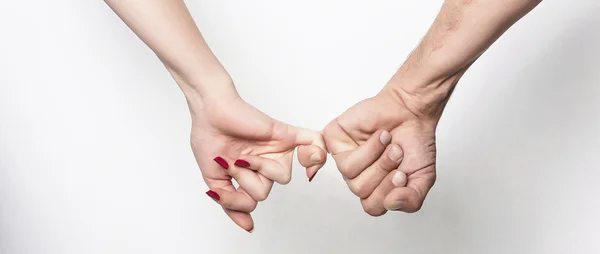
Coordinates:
(385, 151)
(377, 165)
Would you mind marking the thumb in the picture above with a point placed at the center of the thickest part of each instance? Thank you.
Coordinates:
(410, 198)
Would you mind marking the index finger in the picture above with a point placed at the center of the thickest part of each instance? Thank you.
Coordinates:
(351, 163)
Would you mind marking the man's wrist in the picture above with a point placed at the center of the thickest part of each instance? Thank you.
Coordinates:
(424, 88)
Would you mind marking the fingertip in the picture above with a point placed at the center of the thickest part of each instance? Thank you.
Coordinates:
(214, 195)
(403, 199)
(222, 162)
(395, 153)
(242, 163)
(312, 171)
(385, 137)
(399, 179)
(242, 219)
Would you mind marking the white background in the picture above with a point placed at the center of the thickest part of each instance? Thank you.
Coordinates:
(94, 134)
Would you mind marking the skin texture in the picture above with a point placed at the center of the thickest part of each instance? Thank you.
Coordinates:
(224, 126)
(384, 146)
(409, 107)
(354, 140)
(234, 130)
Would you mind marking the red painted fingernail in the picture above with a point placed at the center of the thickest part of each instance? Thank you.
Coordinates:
(213, 195)
(242, 163)
(221, 162)
(313, 176)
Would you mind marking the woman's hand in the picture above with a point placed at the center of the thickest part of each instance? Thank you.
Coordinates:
(232, 139)
(229, 137)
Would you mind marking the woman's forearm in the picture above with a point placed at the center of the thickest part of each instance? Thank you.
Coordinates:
(167, 27)
(462, 31)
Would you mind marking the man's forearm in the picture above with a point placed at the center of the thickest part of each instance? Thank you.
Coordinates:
(463, 30)
(167, 27)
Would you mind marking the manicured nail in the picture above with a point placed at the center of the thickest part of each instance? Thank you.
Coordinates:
(395, 153)
(313, 176)
(385, 138)
(242, 163)
(399, 179)
(251, 230)
(316, 157)
(221, 162)
(397, 205)
(213, 195)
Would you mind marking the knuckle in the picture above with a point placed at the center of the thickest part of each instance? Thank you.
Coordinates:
(286, 178)
(227, 202)
(261, 195)
(359, 189)
(381, 169)
(344, 169)
(373, 210)
(414, 208)
(234, 173)
(252, 207)
(327, 131)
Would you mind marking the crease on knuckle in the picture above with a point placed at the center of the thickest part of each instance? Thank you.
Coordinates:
(227, 202)
(414, 208)
(381, 169)
(346, 169)
(252, 207)
(285, 179)
(359, 189)
(372, 209)
(261, 195)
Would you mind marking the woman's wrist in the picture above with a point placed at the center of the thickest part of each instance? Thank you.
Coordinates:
(205, 87)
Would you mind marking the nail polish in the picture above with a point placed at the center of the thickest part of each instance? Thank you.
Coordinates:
(213, 195)
(242, 163)
(221, 162)
(313, 176)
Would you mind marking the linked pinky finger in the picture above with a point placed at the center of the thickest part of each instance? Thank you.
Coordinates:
(312, 158)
